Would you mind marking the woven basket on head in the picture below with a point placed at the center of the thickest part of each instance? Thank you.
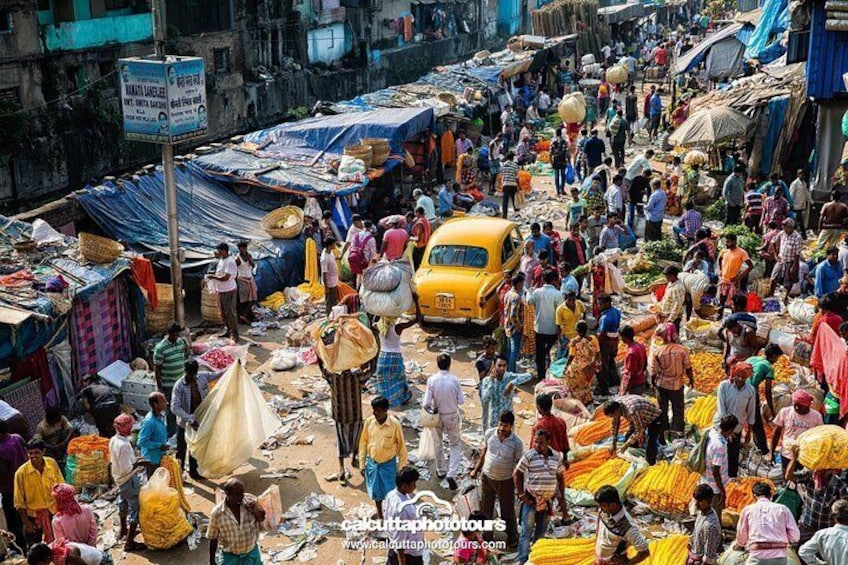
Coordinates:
(379, 149)
(279, 223)
(209, 308)
(363, 152)
(157, 321)
(99, 249)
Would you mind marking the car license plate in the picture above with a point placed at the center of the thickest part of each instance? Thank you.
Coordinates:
(445, 302)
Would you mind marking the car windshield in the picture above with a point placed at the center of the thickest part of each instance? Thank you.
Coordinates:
(459, 256)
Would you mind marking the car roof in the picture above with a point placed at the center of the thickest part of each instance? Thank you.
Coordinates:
(458, 228)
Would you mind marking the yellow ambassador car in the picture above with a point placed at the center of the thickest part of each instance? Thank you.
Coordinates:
(463, 266)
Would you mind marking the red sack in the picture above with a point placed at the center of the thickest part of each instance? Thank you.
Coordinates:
(755, 303)
(659, 292)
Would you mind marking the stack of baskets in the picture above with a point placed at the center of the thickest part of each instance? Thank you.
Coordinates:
(379, 149)
(283, 223)
(157, 321)
(362, 152)
(99, 249)
(210, 311)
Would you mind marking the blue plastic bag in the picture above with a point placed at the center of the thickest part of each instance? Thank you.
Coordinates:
(569, 174)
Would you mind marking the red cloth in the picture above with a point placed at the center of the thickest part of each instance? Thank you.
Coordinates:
(33, 366)
(557, 431)
(830, 356)
(635, 364)
(17, 279)
(142, 271)
(828, 319)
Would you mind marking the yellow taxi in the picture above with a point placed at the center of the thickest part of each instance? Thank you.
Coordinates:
(463, 266)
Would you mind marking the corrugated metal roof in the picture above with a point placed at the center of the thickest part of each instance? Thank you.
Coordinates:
(828, 58)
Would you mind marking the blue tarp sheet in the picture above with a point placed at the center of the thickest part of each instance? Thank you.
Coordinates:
(777, 115)
(330, 134)
(774, 20)
(208, 212)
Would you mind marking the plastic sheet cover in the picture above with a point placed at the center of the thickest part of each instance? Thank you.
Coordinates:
(330, 134)
(774, 20)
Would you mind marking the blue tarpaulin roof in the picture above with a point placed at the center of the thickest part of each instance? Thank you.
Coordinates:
(208, 214)
(764, 43)
(330, 134)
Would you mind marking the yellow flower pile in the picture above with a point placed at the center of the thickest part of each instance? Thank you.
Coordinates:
(708, 371)
(783, 370)
(667, 551)
(594, 432)
(665, 487)
(701, 413)
(610, 473)
(545, 157)
(585, 466)
(569, 551)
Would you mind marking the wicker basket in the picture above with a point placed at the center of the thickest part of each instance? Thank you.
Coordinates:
(363, 152)
(447, 98)
(280, 217)
(99, 249)
(26, 246)
(209, 309)
(379, 149)
(157, 321)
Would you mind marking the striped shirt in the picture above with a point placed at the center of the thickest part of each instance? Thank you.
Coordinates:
(513, 313)
(171, 358)
(236, 536)
(540, 472)
(775, 210)
(509, 173)
(715, 456)
(788, 246)
(692, 221)
(668, 365)
(501, 456)
(753, 204)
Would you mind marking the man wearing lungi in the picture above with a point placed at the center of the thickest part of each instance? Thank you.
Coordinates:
(246, 285)
(382, 451)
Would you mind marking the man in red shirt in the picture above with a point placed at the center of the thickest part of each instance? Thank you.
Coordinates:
(661, 55)
(539, 271)
(634, 379)
(505, 287)
(421, 230)
(554, 425)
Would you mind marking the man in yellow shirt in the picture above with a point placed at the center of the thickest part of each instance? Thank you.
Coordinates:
(33, 500)
(567, 315)
(382, 451)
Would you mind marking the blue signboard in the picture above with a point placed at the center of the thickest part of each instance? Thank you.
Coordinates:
(164, 101)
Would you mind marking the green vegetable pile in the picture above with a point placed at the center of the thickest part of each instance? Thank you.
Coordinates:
(641, 280)
(554, 120)
(715, 211)
(665, 250)
(745, 238)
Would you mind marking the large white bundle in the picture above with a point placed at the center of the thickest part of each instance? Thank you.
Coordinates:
(572, 109)
(587, 59)
(617, 74)
(388, 304)
(386, 276)
(801, 312)
(234, 421)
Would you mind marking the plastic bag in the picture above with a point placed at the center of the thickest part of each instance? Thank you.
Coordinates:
(234, 421)
(353, 343)
(162, 521)
(823, 447)
(754, 302)
(427, 444)
(386, 276)
(790, 498)
(801, 312)
(170, 463)
(785, 341)
(570, 177)
(272, 504)
(283, 360)
(351, 169)
(388, 304)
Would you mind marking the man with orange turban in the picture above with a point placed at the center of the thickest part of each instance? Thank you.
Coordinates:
(791, 421)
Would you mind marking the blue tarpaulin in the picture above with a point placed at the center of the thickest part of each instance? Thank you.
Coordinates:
(208, 213)
(777, 116)
(330, 134)
(774, 20)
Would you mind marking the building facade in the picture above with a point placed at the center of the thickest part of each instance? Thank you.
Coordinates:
(266, 61)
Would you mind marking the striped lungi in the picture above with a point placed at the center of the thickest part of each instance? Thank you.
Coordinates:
(389, 379)
(347, 436)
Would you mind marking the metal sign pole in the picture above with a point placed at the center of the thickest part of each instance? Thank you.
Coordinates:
(159, 27)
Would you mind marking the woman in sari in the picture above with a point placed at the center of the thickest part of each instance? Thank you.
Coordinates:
(584, 357)
(466, 172)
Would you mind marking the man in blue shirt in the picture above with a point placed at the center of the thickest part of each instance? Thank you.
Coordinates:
(446, 206)
(828, 273)
(540, 241)
(594, 150)
(654, 212)
(656, 108)
(153, 435)
(569, 282)
(608, 326)
(733, 193)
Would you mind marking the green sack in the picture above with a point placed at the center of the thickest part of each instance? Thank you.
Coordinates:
(790, 498)
(697, 462)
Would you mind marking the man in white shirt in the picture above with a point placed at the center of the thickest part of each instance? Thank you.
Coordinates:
(445, 395)
(424, 201)
(225, 285)
(544, 102)
(799, 195)
(329, 274)
(356, 227)
(14, 420)
(639, 164)
(125, 467)
(607, 51)
(830, 545)
(406, 544)
(614, 198)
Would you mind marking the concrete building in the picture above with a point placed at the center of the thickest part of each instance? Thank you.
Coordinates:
(266, 61)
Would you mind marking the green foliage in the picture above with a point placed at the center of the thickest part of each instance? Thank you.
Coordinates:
(745, 238)
(715, 211)
(665, 250)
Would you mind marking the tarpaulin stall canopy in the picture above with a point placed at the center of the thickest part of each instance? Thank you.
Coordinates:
(694, 56)
(209, 213)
